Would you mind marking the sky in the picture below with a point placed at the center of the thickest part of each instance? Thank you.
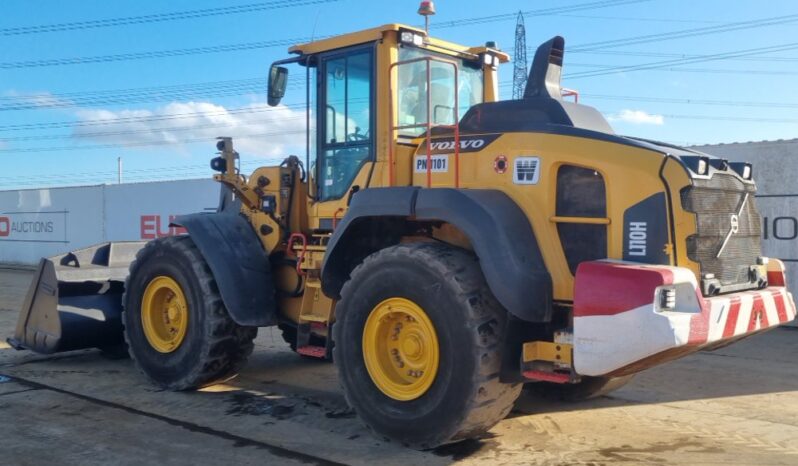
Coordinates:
(85, 82)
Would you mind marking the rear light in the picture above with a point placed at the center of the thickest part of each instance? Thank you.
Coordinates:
(776, 275)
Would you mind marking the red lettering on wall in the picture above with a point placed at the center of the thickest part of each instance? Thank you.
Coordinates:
(5, 226)
(148, 226)
(151, 227)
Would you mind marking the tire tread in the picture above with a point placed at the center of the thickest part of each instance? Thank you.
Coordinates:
(230, 345)
(490, 400)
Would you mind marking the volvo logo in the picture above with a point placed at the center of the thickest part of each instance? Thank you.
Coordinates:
(734, 221)
(735, 224)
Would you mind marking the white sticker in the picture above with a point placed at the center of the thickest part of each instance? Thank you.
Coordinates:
(526, 170)
(438, 163)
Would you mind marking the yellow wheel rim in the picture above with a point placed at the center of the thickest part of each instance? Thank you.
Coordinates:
(400, 348)
(164, 314)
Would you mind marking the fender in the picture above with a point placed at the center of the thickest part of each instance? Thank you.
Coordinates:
(238, 263)
(498, 229)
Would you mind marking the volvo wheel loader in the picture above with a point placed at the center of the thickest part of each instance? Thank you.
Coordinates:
(443, 247)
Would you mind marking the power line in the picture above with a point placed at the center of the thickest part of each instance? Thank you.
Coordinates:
(139, 144)
(740, 25)
(136, 90)
(142, 95)
(665, 100)
(149, 131)
(703, 58)
(732, 118)
(50, 102)
(138, 172)
(284, 42)
(677, 55)
(538, 12)
(151, 54)
(159, 17)
(149, 118)
(639, 19)
(689, 101)
(697, 70)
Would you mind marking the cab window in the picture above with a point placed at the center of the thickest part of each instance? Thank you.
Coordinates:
(346, 111)
(412, 89)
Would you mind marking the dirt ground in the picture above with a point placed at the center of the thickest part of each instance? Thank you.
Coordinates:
(737, 405)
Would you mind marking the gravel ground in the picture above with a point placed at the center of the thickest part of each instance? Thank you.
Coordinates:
(737, 405)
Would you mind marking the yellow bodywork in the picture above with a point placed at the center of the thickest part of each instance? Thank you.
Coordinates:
(547, 351)
(631, 174)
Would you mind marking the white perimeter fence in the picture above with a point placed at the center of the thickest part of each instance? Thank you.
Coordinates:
(37, 223)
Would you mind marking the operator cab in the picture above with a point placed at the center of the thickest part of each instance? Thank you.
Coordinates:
(424, 82)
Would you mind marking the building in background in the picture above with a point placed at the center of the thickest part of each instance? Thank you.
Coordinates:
(37, 223)
(775, 165)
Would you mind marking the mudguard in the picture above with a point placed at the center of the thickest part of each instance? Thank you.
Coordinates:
(238, 263)
(498, 229)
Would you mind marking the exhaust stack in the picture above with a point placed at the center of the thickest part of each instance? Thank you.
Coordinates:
(546, 72)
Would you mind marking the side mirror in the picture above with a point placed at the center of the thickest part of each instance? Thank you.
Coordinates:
(278, 78)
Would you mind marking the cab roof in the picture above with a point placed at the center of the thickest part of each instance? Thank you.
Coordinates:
(377, 33)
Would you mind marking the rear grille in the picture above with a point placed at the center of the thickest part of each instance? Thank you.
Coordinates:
(714, 201)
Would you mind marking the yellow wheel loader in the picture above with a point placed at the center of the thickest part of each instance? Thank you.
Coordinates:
(443, 247)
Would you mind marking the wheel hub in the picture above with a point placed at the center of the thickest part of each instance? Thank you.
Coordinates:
(164, 314)
(400, 349)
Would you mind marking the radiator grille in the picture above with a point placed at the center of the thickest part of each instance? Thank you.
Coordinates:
(715, 201)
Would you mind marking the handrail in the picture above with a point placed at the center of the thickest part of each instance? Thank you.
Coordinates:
(428, 124)
(570, 93)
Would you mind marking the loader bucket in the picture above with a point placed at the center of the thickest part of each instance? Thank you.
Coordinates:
(75, 300)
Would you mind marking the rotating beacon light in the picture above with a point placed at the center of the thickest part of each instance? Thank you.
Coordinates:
(426, 9)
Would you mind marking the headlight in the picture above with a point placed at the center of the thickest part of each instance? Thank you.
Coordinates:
(743, 169)
(667, 298)
(697, 164)
(409, 37)
(702, 166)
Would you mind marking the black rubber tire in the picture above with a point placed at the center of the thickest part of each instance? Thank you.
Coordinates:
(587, 388)
(466, 398)
(288, 332)
(214, 348)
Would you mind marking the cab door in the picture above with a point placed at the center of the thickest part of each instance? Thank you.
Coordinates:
(345, 129)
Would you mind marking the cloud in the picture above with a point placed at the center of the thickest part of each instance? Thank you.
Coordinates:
(637, 117)
(257, 130)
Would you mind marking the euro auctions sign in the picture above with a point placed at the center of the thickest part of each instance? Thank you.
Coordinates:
(42, 227)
